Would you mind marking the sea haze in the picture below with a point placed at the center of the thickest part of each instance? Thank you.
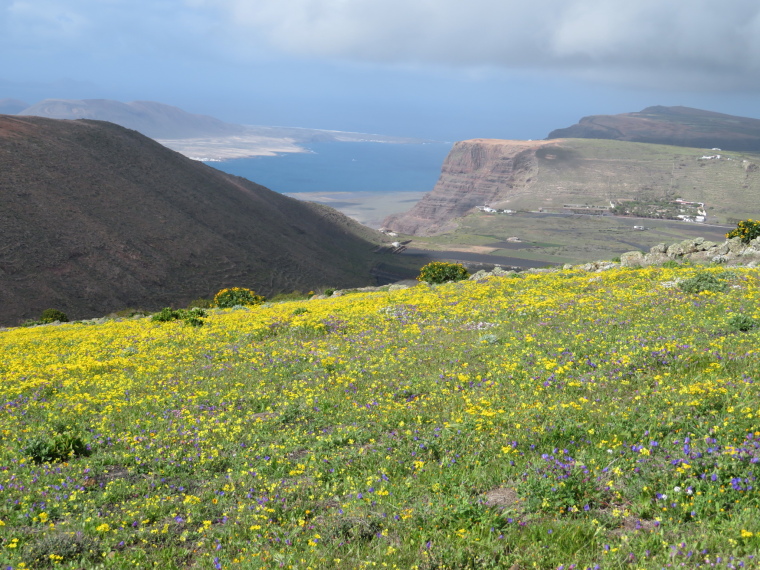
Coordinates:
(364, 180)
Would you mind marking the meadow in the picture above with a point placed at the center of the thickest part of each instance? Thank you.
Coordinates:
(543, 420)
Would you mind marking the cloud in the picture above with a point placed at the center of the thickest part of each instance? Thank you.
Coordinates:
(701, 44)
(696, 41)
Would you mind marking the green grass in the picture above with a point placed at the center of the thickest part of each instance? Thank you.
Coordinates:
(568, 239)
(536, 421)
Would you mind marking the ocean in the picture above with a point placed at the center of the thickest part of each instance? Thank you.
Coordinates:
(346, 167)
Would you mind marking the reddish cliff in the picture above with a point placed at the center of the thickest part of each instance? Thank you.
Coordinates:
(476, 172)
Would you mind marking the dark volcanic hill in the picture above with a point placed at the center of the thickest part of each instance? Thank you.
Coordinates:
(152, 119)
(96, 218)
(678, 126)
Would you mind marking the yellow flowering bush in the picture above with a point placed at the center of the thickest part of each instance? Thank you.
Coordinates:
(747, 230)
(233, 296)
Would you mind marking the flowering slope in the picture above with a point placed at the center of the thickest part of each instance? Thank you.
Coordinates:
(562, 419)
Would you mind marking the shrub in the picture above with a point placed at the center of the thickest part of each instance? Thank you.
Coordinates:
(55, 447)
(746, 229)
(703, 282)
(192, 317)
(227, 298)
(52, 315)
(441, 272)
(742, 323)
(61, 547)
(329, 292)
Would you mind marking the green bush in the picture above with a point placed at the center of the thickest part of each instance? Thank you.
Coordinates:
(52, 315)
(55, 447)
(746, 229)
(742, 323)
(193, 317)
(703, 282)
(227, 298)
(441, 272)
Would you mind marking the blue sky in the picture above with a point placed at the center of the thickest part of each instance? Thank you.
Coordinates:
(443, 69)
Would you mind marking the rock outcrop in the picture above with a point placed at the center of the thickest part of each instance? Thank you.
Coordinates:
(698, 250)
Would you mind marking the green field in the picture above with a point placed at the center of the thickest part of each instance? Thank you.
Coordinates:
(597, 172)
(564, 239)
(556, 420)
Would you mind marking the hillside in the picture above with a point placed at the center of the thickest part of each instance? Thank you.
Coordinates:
(568, 419)
(152, 119)
(679, 126)
(97, 218)
(528, 175)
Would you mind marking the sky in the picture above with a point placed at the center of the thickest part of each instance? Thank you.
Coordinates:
(441, 69)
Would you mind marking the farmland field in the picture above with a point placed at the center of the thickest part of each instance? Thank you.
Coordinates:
(544, 420)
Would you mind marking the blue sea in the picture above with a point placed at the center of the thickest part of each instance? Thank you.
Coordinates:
(346, 167)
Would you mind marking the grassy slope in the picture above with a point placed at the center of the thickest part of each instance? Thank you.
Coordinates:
(528, 422)
(596, 171)
(563, 239)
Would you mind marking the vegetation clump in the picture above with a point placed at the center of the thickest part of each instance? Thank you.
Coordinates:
(442, 272)
(703, 281)
(742, 322)
(60, 445)
(233, 296)
(193, 317)
(53, 315)
(747, 230)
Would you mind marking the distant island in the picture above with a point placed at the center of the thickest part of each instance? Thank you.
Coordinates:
(200, 137)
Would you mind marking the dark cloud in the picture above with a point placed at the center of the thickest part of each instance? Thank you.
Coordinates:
(684, 43)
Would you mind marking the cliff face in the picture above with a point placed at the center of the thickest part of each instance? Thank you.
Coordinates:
(476, 172)
(527, 175)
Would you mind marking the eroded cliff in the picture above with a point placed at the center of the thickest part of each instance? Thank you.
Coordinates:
(476, 172)
(557, 175)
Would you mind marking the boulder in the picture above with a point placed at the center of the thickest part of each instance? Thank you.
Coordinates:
(632, 259)
(655, 258)
(735, 245)
(676, 250)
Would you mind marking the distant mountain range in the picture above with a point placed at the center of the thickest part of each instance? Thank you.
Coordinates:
(679, 126)
(98, 218)
(195, 136)
(152, 119)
